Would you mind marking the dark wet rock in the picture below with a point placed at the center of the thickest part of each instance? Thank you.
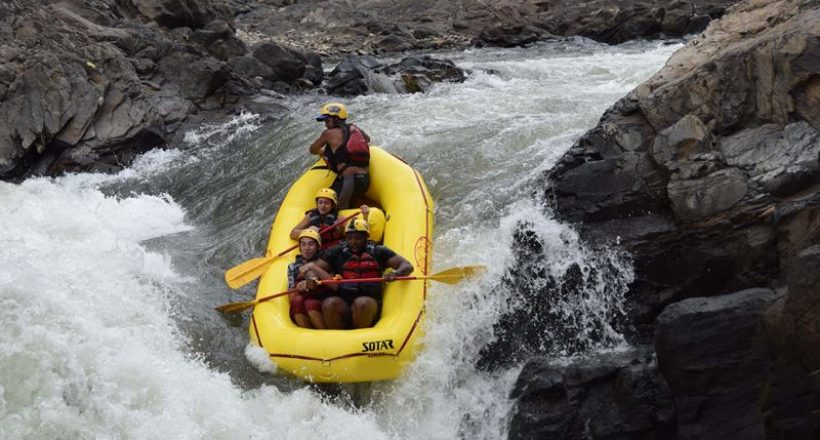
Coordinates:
(708, 174)
(552, 311)
(87, 85)
(606, 396)
(359, 75)
(689, 167)
(286, 64)
(380, 25)
(220, 40)
(714, 356)
(182, 13)
(505, 35)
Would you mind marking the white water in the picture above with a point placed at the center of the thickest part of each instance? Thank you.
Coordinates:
(107, 282)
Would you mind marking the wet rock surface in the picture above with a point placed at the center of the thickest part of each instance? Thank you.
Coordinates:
(708, 175)
(374, 26)
(606, 396)
(88, 85)
(714, 357)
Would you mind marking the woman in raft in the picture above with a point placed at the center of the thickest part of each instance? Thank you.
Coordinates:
(325, 214)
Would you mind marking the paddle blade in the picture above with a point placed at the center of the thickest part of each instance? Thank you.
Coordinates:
(235, 307)
(457, 274)
(246, 272)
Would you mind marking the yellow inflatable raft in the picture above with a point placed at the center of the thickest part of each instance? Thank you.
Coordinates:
(405, 223)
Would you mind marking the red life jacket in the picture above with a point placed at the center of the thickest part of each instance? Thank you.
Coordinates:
(358, 151)
(331, 237)
(354, 150)
(360, 266)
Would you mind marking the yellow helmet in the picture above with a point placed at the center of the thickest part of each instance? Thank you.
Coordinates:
(328, 194)
(310, 233)
(332, 109)
(358, 225)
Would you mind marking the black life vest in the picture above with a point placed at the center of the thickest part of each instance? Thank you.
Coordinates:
(331, 237)
(295, 277)
(354, 150)
(360, 266)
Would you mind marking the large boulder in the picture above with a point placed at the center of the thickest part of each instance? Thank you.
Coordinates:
(714, 356)
(178, 13)
(359, 75)
(708, 175)
(691, 167)
(88, 85)
(606, 396)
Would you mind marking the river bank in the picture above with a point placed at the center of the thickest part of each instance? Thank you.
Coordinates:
(89, 85)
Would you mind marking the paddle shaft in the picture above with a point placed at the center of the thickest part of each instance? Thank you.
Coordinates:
(322, 231)
(367, 280)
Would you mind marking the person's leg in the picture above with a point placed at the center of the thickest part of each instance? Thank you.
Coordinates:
(364, 311)
(297, 311)
(345, 191)
(314, 312)
(335, 312)
(361, 183)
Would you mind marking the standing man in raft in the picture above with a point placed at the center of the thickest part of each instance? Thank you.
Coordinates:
(345, 149)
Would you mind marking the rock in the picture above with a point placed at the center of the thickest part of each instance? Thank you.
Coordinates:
(781, 160)
(504, 35)
(689, 167)
(606, 396)
(181, 13)
(286, 65)
(559, 311)
(195, 78)
(359, 76)
(713, 354)
(218, 38)
(687, 137)
(251, 67)
(395, 43)
(697, 199)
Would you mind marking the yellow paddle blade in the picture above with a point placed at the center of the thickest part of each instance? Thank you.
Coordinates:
(457, 274)
(248, 271)
(236, 307)
(240, 306)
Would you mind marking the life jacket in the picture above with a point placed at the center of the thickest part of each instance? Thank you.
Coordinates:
(293, 274)
(331, 237)
(354, 150)
(360, 266)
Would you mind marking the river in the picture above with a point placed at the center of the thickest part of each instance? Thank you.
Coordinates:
(108, 282)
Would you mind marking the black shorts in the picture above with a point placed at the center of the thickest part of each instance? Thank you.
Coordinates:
(350, 189)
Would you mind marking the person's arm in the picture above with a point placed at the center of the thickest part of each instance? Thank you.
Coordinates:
(321, 270)
(401, 267)
(301, 226)
(316, 146)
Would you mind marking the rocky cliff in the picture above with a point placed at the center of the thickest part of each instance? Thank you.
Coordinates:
(709, 174)
(87, 85)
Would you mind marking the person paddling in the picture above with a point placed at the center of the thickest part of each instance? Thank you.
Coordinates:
(345, 149)
(306, 305)
(323, 215)
(357, 258)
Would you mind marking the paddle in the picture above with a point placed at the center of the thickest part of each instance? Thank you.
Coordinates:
(240, 306)
(449, 276)
(250, 270)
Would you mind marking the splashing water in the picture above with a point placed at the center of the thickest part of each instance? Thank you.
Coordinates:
(109, 281)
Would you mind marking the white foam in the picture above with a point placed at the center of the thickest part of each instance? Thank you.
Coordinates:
(89, 347)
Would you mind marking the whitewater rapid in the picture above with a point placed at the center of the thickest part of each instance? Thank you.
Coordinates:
(108, 282)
